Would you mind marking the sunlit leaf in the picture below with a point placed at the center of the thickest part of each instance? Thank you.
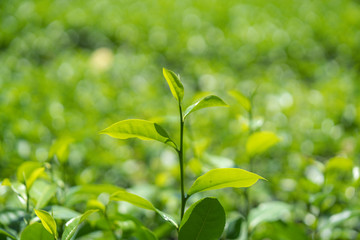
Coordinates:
(6, 182)
(244, 101)
(33, 176)
(339, 163)
(60, 148)
(140, 202)
(175, 85)
(47, 221)
(36, 231)
(259, 142)
(223, 178)
(72, 225)
(204, 220)
(209, 101)
(137, 128)
(269, 212)
(29, 171)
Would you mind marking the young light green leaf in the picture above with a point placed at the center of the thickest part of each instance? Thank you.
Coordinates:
(176, 87)
(47, 221)
(6, 233)
(29, 171)
(244, 101)
(339, 163)
(6, 182)
(259, 142)
(223, 178)
(36, 231)
(33, 176)
(133, 199)
(204, 220)
(137, 128)
(60, 148)
(42, 192)
(72, 225)
(140, 202)
(209, 101)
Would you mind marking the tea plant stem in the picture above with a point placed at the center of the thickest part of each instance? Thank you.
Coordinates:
(181, 162)
(27, 205)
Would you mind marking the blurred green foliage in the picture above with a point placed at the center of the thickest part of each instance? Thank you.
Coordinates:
(70, 68)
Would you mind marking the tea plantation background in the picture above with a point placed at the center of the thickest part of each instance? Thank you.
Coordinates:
(71, 68)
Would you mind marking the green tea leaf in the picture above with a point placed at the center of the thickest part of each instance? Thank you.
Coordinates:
(176, 87)
(6, 182)
(133, 199)
(223, 178)
(144, 233)
(47, 221)
(28, 172)
(244, 101)
(204, 220)
(269, 212)
(36, 231)
(6, 233)
(42, 192)
(34, 175)
(259, 142)
(137, 128)
(72, 225)
(234, 228)
(209, 101)
(339, 163)
(140, 202)
(60, 148)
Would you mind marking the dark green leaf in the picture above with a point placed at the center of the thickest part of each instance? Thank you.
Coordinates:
(234, 227)
(204, 220)
(6, 233)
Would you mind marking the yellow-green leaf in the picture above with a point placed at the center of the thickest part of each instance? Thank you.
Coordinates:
(28, 172)
(223, 178)
(137, 128)
(339, 163)
(209, 101)
(133, 199)
(47, 221)
(34, 175)
(176, 87)
(244, 101)
(259, 142)
(60, 148)
(6, 182)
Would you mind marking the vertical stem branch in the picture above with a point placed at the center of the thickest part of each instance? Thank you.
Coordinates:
(181, 162)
